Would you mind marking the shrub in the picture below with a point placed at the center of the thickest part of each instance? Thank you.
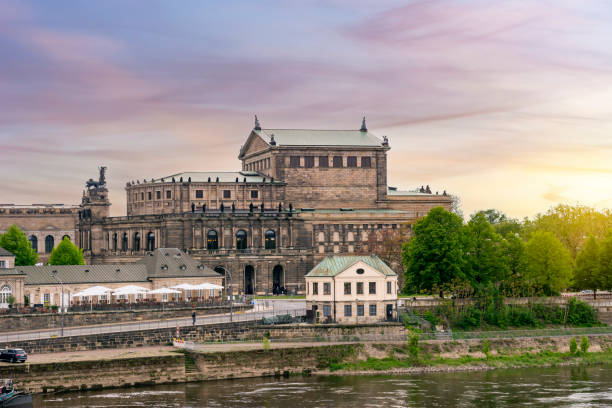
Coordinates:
(486, 348)
(584, 344)
(266, 343)
(413, 347)
(573, 346)
(580, 313)
(431, 318)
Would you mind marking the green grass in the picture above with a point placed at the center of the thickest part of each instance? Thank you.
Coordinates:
(544, 358)
(280, 297)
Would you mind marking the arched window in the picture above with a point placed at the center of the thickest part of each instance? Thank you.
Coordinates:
(5, 293)
(124, 242)
(136, 242)
(49, 244)
(241, 239)
(150, 241)
(115, 241)
(34, 242)
(212, 240)
(270, 239)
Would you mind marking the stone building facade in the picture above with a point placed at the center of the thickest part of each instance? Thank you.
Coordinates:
(45, 225)
(300, 195)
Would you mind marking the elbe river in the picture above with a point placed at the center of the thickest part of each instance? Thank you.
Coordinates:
(533, 387)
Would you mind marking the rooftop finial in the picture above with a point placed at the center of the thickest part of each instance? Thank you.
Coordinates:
(272, 141)
(257, 125)
(363, 125)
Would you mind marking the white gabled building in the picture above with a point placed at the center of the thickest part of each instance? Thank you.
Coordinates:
(352, 289)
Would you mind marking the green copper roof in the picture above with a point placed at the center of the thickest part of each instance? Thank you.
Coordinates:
(333, 265)
(309, 137)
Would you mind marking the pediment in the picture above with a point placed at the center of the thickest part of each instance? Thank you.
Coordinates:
(254, 144)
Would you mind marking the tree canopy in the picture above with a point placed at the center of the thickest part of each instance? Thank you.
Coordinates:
(66, 253)
(434, 256)
(588, 267)
(15, 240)
(549, 265)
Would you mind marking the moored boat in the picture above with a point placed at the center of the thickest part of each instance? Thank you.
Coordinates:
(11, 398)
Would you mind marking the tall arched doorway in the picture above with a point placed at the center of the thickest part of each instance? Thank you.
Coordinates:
(34, 242)
(136, 246)
(278, 281)
(221, 271)
(49, 244)
(249, 280)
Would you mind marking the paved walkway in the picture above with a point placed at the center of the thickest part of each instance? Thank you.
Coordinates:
(294, 308)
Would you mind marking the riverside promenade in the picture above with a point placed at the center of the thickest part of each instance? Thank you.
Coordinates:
(262, 309)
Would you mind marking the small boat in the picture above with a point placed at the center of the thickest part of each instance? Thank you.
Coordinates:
(11, 398)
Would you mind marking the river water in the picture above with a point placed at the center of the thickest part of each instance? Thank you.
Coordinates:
(533, 387)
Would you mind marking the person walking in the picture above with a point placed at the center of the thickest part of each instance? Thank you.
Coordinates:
(193, 317)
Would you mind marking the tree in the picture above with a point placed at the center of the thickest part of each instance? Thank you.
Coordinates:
(588, 267)
(387, 245)
(434, 255)
(66, 253)
(502, 224)
(605, 262)
(15, 241)
(456, 206)
(484, 257)
(549, 265)
(514, 256)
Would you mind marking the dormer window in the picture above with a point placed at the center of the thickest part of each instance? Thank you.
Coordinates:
(183, 267)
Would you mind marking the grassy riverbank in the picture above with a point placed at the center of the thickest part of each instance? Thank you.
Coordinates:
(539, 359)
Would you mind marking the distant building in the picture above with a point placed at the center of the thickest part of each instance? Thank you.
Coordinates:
(11, 281)
(163, 267)
(352, 289)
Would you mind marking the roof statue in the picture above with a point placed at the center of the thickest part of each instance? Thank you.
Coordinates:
(101, 183)
(257, 125)
(385, 141)
(272, 141)
(363, 125)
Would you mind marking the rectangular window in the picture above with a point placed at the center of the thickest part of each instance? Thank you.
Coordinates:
(360, 310)
(3, 264)
(372, 288)
(327, 288)
(254, 194)
(294, 161)
(337, 161)
(309, 161)
(227, 194)
(168, 194)
(199, 193)
(149, 195)
(389, 288)
(326, 310)
(323, 161)
(351, 161)
(372, 310)
(158, 195)
(315, 288)
(360, 288)
(348, 310)
(347, 288)
(47, 297)
(366, 162)
(141, 196)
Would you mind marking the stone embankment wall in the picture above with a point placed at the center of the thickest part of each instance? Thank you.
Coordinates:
(53, 320)
(94, 375)
(206, 333)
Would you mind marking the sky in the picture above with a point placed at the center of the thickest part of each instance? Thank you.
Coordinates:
(507, 104)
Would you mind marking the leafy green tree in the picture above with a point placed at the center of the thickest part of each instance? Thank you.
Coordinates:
(549, 265)
(484, 256)
(434, 255)
(15, 241)
(502, 224)
(605, 262)
(588, 267)
(66, 253)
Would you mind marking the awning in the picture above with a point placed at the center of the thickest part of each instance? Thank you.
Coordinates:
(209, 286)
(186, 286)
(93, 291)
(163, 291)
(130, 290)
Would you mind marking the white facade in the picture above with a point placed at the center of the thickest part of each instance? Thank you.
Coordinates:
(359, 294)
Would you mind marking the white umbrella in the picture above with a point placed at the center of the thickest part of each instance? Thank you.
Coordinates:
(186, 286)
(210, 286)
(93, 291)
(130, 290)
(163, 291)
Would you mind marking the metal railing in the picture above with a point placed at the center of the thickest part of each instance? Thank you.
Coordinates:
(238, 317)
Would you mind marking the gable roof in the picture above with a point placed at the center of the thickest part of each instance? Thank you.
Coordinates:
(333, 265)
(4, 252)
(172, 262)
(77, 274)
(312, 137)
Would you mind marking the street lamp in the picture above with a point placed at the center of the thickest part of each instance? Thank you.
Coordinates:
(54, 274)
